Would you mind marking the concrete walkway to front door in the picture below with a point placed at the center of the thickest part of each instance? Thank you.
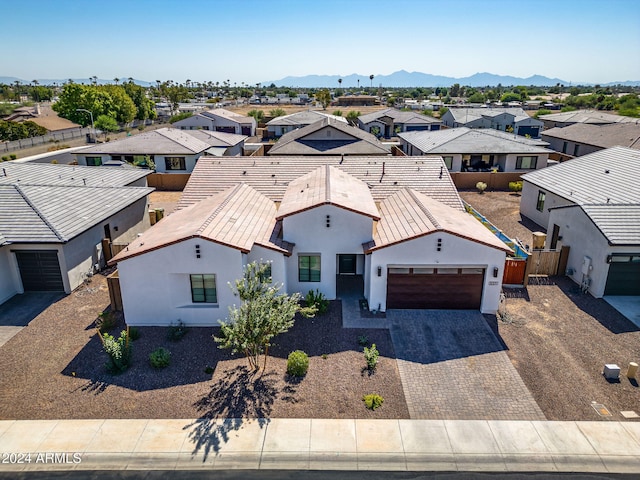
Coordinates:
(453, 367)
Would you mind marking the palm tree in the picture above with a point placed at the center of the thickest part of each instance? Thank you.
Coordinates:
(94, 80)
(371, 78)
(340, 82)
(358, 84)
(116, 80)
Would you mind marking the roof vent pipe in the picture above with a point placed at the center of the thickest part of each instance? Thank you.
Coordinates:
(383, 163)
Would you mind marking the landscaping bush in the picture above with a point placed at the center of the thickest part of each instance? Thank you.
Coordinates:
(373, 401)
(297, 363)
(363, 341)
(481, 186)
(515, 186)
(105, 322)
(208, 370)
(371, 355)
(134, 333)
(317, 299)
(5, 158)
(13, 156)
(119, 351)
(160, 358)
(176, 331)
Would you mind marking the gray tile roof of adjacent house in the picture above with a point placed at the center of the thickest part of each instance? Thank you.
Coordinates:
(620, 224)
(304, 141)
(271, 175)
(604, 136)
(399, 116)
(69, 175)
(217, 139)
(587, 116)
(606, 176)
(465, 140)
(57, 214)
(229, 115)
(161, 141)
(303, 118)
(464, 115)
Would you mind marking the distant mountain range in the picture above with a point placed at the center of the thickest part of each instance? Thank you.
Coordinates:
(403, 78)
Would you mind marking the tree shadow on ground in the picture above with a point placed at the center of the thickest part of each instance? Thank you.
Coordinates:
(238, 395)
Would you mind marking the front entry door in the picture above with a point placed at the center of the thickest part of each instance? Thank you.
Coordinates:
(347, 264)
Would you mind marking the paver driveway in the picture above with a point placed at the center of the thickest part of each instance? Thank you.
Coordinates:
(452, 367)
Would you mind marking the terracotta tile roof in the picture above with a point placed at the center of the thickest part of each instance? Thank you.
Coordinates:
(327, 185)
(271, 175)
(238, 217)
(409, 214)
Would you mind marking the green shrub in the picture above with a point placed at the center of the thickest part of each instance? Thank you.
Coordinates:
(180, 116)
(515, 186)
(208, 370)
(297, 363)
(316, 299)
(373, 401)
(134, 333)
(105, 322)
(481, 186)
(176, 331)
(119, 351)
(5, 158)
(13, 156)
(363, 341)
(160, 358)
(371, 355)
(325, 356)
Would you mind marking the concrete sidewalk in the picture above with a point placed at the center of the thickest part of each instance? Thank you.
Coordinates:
(321, 444)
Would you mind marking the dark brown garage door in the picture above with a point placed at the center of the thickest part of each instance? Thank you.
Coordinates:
(40, 271)
(435, 288)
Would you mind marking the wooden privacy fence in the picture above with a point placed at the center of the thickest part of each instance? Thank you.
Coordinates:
(115, 294)
(110, 249)
(514, 271)
(544, 262)
(538, 263)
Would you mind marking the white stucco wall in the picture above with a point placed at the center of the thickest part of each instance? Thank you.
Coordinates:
(277, 259)
(511, 159)
(584, 239)
(456, 252)
(156, 288)
(347, 233)
(529, 200)
(8, 284)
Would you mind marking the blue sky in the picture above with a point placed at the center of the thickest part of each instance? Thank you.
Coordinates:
(255, 41)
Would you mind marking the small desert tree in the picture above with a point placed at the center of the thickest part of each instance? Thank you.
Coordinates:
(263, 314)
(352, 117)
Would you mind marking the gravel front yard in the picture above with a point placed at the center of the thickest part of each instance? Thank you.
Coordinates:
(54, 369)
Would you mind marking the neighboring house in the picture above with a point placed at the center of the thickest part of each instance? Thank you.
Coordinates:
(288, 123)
(389, 122)
(171, 151)
(220, 143)
(584, 138)
(53, 219)
(592, 117)
(44, 116)
(512, 120)
(465, 150)
(219, 120)
(328, 137)
(591, 204)
(357, 101)
(411, 252)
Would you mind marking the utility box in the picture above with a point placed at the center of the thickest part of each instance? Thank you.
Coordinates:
(611, 371)
(538, 240)
(586, 265)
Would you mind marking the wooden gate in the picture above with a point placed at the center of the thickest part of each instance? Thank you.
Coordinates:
(544, 262)
(514, 272)
(115, 294)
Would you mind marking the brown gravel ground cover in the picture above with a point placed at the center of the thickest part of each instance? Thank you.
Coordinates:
(55, 369)
(559, 340)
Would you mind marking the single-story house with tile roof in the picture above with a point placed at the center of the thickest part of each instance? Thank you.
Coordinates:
(410, 250)
(219, 120)
(220, 143)
(169, 149)
(288, 123)
(389, 122)
(584, 138)
(591, 204)
(513, 120)
(470, 150)
(591, 117)
(53, 219)
(328, 137)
